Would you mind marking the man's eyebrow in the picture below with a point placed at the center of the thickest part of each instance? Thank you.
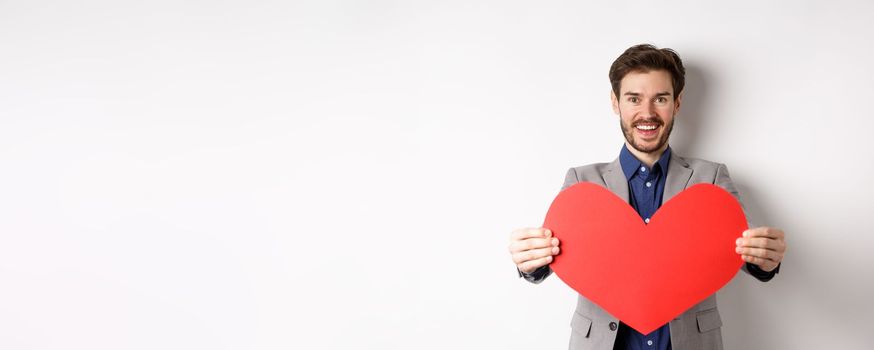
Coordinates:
(637, 94)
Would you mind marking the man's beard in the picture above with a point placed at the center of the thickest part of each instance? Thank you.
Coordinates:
(629, 134)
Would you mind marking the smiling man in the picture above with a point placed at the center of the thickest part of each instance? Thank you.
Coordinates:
(647, 85)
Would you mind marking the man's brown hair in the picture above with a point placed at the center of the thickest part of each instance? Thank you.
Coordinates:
(644, 58)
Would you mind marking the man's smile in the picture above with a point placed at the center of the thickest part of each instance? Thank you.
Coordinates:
(647, 129)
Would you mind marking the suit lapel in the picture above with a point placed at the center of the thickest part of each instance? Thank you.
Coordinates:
(679, 174)
(615, 180)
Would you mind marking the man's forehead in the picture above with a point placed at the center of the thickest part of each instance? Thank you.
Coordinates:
(654, 82)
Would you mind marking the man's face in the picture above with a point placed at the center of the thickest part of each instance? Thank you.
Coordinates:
(646, 109)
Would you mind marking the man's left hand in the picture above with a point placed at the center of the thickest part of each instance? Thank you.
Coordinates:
(763, 246)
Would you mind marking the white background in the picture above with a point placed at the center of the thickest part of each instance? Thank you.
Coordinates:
(345, 174)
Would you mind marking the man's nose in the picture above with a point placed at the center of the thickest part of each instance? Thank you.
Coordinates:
(648, 110)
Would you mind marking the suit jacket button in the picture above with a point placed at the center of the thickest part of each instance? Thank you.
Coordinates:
(613, 326)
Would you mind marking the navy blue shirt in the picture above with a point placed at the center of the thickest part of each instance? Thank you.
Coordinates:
(646, 187)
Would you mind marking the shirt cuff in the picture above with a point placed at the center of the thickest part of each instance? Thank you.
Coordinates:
(760, 274)
(535, 276)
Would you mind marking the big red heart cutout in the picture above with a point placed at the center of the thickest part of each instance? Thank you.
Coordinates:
(646, 274)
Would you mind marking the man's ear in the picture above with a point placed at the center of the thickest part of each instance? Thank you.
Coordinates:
(614, 102)
(677, 102)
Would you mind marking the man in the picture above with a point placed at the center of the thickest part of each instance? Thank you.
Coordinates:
(647, 85)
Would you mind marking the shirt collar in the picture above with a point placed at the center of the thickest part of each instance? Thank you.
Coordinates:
(630, 164)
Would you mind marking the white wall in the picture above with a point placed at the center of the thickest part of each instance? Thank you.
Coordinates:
(296, 175)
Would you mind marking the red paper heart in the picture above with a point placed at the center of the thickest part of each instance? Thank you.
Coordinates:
(646, 274)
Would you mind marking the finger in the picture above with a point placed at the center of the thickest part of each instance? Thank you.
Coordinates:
(758, 253)
(756, 242)
(529, 232)
(531, 265)
(762, 242)
(534, 254)
(532, 243)
(764, 231)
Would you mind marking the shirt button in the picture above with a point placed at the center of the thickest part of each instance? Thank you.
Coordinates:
(613, 326)
(649, 342)
(649, 184)
(643, 169)
(646, 220)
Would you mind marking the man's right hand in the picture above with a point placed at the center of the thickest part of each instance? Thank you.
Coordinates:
(532, 248)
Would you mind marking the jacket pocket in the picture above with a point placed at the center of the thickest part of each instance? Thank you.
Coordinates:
(708, 320)
(581, 324)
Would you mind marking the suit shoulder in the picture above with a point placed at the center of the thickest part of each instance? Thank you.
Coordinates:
(590, 172)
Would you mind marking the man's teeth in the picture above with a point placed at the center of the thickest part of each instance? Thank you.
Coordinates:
(646, 127)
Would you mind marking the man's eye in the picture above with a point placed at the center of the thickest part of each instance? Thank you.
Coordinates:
(661, 100)
(632, 99)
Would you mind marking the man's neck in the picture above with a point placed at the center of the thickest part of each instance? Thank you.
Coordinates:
(647, 158)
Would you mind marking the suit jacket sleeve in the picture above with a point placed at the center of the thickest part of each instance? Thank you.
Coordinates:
(543, 272)
(724, 180)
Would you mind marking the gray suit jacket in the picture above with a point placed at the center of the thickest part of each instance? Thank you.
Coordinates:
(698, 327)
